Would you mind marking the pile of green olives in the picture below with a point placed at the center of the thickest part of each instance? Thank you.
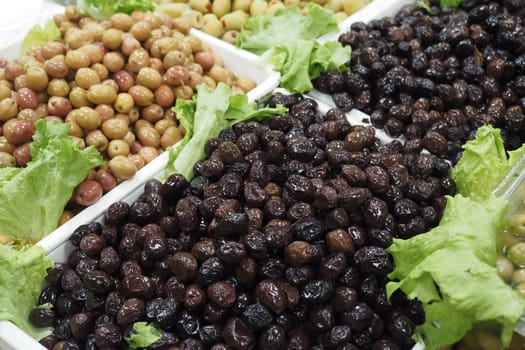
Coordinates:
(511, 253)
(114, 82)
(225, 18)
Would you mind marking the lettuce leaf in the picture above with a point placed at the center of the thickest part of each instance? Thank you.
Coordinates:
(40, 35)
(484, 163)
(204, 117)
(143, 335)
(450, 3)
(286, 39)
(23, 272)
(287, 25)
(104, 9)
(34, 197)
(452, 270)
(301, 61)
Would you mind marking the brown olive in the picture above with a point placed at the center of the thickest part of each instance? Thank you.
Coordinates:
(88, 192)
(18, 131)
(59, 106)
(299, 252)
(106, 180)
(22, 154)
(176, 75)
(13, 70)
(142, 96)
(164, 96)
(124, 80)
(26, 98)
(97, 139)
(205, 59)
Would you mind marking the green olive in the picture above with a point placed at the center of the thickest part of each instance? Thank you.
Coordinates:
(258, 7)
(505, 267)
(520, 288)
(203, 6)
(243, 5)
(221, 7)
(518, 221)
(213, 28)
(233, 21)
(516, 254)
(518, 276)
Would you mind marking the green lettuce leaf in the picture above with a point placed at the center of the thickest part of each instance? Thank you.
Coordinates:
(143, 335)
(287, 40)
(104, 9)
(450, 3)
(484, 163)
(34, 197)
(301, 61)
(23, 272)
(40, 35)
(204, 117)
(452, 270)
(286, 25)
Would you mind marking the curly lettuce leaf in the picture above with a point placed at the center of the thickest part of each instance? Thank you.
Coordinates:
(286, 25)
(299, 62)
(484, 163)
(450, 3)
(40, 35)
(204, 117)
(449, 269)
(23, 272)
(104, 9)
(34, 197)
(143, 335)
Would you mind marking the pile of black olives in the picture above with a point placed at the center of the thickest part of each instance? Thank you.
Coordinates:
(436, 76)
(278, 242)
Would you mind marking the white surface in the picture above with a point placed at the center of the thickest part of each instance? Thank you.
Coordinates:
(17, 17)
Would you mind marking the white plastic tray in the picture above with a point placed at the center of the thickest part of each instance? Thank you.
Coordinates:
(58, 246)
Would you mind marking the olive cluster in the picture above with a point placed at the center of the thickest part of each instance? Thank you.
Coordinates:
(436, 76)
(225, 18)
(277, 242)
(114, 82)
